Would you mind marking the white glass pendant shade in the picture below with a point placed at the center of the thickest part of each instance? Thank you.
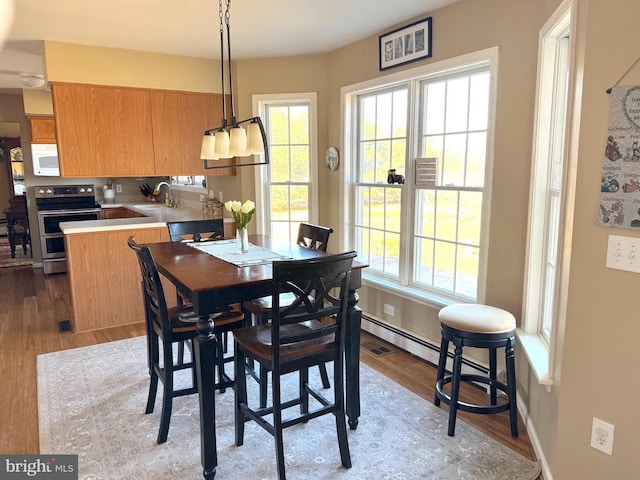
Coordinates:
(237, 142)
(254, 139)
(208, 147)
(222, 145)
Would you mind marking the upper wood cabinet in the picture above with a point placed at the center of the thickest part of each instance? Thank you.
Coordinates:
(42, 129)
(125, 132)
(103, 131)
(179, 120)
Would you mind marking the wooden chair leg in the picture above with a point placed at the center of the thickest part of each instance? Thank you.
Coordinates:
(324, 376)
(455, 389)
(240, 394)
(442, 363)
(511, 386)
(167, 403)
(277, 425)
(493, 375)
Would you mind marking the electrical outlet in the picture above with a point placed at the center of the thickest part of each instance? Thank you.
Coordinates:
(389, 310)
(118, 188)
(602, 436)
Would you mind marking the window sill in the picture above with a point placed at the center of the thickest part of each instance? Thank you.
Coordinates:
(537, 353)
(409, 293)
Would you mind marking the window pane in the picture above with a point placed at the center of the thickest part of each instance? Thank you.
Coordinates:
(279, 202)
(398, 149)
(299, 204)
(383, 161)
(444, 265)
(400, 113)
(383, 116)
(434, 111)
(392, 254)
(279, 125)
(392, 213)
(280, 164)
(299, 124)
(446, 215)
(476, 154)
(368, 162)
(426, 213)
(376, 260)
(424, 262)
(470, 218)
(479, 101)
(467, 271)
(368, 118)
(377, 208)
(300, 163)
(454, 160)
(457, 103)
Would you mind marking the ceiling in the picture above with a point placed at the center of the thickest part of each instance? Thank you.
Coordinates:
(264, 28)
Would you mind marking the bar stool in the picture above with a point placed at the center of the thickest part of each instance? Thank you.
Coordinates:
(480, 326)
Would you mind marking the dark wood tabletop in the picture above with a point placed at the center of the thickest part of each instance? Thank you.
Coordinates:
(211, 283)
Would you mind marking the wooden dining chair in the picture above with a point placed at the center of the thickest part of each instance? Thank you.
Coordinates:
(296, 339)
(199, 231)
(196, 230)
(314, 237)
(169, 326)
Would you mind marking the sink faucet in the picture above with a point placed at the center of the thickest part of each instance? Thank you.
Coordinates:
(157, 191)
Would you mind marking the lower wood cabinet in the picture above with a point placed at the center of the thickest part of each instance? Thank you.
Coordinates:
(104, 277)
(110, 213)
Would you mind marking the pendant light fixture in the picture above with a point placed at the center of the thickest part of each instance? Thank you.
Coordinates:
(231, 140)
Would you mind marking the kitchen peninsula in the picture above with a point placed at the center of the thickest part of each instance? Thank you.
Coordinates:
(104, 275)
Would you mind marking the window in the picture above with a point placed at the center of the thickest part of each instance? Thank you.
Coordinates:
(549, 205)
(189, 180)
(287, 186)
(423, 236)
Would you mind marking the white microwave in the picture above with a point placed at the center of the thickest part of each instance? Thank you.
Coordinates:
(45, 159)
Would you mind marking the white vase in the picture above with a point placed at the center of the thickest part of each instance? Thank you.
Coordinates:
(243, 240)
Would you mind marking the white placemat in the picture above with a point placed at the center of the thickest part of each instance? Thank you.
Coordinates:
(229, 251)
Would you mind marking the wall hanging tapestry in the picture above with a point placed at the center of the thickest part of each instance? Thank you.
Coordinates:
(620, 186)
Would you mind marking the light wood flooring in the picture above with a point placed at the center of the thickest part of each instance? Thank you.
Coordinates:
(33, 304)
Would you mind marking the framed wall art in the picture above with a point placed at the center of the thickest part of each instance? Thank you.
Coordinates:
(406, 44)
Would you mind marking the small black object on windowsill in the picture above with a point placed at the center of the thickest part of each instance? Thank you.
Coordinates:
(393, 177)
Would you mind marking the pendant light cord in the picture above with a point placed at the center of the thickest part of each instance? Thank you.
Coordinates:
(233, 107)
(224, 103)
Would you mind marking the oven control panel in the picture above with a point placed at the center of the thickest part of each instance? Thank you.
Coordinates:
(57, 191)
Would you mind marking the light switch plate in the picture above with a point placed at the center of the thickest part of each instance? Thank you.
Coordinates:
(623, 253)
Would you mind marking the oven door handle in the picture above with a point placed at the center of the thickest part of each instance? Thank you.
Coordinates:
(49, 213)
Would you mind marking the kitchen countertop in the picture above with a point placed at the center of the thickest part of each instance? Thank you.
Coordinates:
(156, 215)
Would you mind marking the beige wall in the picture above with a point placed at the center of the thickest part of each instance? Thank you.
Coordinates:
(66, 62)
(598, 370)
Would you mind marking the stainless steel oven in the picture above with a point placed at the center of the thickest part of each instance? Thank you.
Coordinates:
(57, 204)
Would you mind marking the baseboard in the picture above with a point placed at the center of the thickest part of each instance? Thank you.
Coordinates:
(423, 348)
(523, 411)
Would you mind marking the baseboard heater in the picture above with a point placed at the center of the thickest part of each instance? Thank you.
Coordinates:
(419, 347)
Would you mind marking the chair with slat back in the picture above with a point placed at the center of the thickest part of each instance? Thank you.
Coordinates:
(201, 231)
(196, 230)
(314, 237)
(296, 339)
(171, 326)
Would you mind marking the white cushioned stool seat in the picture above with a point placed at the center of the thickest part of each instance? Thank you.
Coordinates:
(477, 318)
(479, 326)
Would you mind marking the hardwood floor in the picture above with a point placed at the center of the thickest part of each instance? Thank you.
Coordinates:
(33, 304)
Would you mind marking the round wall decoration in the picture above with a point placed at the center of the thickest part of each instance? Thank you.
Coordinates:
(332, 158)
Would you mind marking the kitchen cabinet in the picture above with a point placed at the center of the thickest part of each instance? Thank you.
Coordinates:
(179, 120)
(108, 131)
(104, 277)
(42, 129)
(103, 131)
(109, 213)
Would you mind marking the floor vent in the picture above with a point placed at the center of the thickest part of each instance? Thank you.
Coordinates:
(64, 326)
(376, 349)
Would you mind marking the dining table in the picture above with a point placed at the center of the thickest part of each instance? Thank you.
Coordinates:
(213, 280)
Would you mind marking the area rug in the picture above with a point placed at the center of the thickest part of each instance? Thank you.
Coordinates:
(5, 255)
(91, 403)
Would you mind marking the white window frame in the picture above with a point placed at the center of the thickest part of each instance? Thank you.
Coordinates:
(263, 216)
(349, 175)
(544, 351)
